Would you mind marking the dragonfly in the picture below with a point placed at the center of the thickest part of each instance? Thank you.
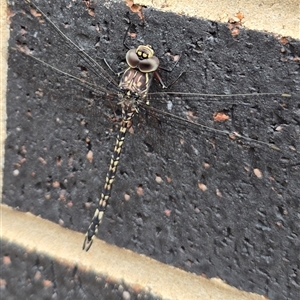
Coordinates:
(131, 94)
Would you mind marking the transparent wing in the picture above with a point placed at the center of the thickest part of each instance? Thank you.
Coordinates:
(75, 53)
(221, 113)
(73, 76)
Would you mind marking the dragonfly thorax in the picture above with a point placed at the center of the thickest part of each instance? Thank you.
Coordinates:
(129, 101)
(135, 82)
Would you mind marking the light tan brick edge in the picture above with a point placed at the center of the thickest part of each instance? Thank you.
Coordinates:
(279, 17)
(3, 78)
(44, 237)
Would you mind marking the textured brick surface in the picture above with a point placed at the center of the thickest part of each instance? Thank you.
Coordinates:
(244, 227)
(29, 275)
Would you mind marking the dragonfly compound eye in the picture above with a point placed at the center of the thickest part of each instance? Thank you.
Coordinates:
(149, 65)
(132, 59)
(143, 59)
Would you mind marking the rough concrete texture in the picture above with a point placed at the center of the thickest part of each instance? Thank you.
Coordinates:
(278, 17)
(109, 273)
(187, 197)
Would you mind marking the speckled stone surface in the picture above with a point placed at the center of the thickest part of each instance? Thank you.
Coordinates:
(198, 200)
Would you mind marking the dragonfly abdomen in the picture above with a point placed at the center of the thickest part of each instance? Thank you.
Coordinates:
(110, 177)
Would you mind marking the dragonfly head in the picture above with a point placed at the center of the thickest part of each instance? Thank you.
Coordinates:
(142, 58)
(144, 51)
